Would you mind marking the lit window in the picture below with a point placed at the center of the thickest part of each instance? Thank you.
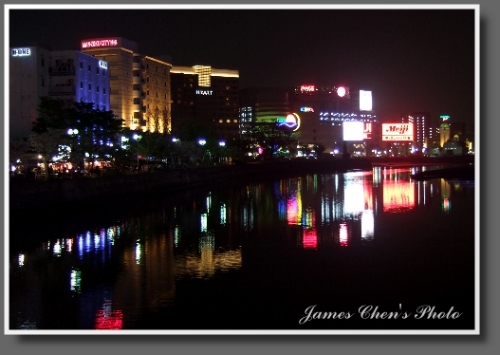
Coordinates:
(221, 120)
(228, 120)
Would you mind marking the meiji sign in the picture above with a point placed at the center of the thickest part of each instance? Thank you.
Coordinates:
(21, 52)
(94, 43)
(397, 132)
(103, 64)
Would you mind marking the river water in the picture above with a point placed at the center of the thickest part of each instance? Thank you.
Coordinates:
(318, 251)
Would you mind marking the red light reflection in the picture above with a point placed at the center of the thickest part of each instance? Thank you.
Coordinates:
(343, 235)
(310, 238)
(398, 195)
(108, 319)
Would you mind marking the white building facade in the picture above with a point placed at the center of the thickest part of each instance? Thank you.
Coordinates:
(70, 76)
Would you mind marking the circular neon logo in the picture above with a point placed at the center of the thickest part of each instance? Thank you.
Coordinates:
(291, 121)
(341, 91)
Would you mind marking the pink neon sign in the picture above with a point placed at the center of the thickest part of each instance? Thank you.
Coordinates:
(94, 43)
(307, 88)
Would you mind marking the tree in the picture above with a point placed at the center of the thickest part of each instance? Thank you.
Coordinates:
(98, 131)
(17, 148)
(166, 121)
(48, 144)
(51, 115)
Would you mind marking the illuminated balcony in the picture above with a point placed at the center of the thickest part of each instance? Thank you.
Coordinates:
(138, 80)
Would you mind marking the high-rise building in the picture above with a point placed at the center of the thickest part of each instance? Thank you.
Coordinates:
(207, 95)
(421, 125)
(264, 105)
(328, 114)
(70, 75)
(444, 129)
(140, 84)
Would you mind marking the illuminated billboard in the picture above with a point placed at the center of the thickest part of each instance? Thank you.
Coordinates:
(306, 109)
(365, 100)
(353, 131)
(397, 132)
(367, 130)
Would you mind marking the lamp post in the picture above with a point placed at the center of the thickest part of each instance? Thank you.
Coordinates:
(222, 144)
(72, 132)
(202, 142)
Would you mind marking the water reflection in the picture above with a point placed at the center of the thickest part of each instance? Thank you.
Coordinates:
(121, 271)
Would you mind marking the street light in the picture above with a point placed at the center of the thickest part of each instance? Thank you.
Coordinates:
(72, 132)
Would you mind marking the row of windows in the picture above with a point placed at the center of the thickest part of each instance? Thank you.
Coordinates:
(96, 89)
(96, 69)
(228, 120)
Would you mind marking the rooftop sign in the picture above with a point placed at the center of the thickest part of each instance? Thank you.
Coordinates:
(21, 52)
(96, 43)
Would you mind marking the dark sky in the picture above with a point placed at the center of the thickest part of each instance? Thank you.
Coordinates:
(412, 60)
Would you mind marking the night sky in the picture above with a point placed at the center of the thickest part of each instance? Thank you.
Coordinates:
(412, 60)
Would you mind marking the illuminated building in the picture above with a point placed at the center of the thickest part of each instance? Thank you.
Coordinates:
(69, 75)
(207, 96)
(324, 110)
(421, 124)
(444, 129)
(264, 106)
(139, 84)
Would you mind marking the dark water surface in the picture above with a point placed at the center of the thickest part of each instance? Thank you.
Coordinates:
(254, 257)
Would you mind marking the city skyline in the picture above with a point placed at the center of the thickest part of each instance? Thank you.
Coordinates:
(413, 60)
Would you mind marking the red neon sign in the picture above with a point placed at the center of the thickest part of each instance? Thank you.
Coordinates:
(307, 88)
(94, 43)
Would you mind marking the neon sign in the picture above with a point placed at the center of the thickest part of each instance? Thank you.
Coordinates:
(306, 109)
(21, 52)
(292, 120)
(103, 64)
(94, 43)
(307, 88)
(204, 92)
(444, 117)
(341, 91)
(367, 130)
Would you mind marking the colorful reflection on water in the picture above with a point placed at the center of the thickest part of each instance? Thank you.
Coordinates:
(108, 277)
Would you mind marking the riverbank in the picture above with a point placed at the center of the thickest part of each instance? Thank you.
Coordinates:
(34, 195)
(66, 193)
